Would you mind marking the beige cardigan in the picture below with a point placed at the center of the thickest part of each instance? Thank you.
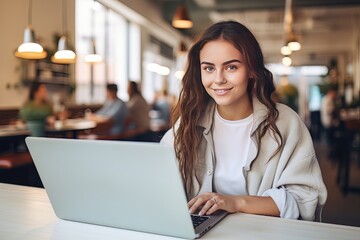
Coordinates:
(295, 167)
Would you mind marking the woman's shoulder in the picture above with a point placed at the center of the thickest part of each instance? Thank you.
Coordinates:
(168, 138)
(289, 122)
(286, 113)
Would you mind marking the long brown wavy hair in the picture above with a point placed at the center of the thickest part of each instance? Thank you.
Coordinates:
(194, 99)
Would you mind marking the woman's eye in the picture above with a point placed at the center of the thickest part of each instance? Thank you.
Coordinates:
(231, 67)
(209, 68)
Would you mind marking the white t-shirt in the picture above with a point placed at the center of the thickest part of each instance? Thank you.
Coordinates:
(232, 143)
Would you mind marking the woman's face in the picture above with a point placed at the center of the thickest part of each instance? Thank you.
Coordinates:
(41, 93)
(224, 74)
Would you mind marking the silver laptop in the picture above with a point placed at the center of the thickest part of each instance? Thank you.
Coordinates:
(128, 185)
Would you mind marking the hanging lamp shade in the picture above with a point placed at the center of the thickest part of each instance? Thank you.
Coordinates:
(294, 44)
(29, 49)
(64, 54)
(181, 18)
(285, 50)
(93, 57)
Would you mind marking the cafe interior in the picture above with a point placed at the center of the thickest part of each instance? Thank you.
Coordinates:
(82, 45)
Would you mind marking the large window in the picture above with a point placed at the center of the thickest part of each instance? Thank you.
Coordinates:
(116, 39)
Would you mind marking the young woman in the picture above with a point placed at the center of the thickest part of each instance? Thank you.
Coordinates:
(37, 111)
(238, 150)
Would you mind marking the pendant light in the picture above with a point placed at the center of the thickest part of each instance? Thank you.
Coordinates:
(64, 54)
(92, 56)
(293, 42)
(181, 18)
(29, 49)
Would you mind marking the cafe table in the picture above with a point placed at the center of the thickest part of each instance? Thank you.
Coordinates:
(13, 131)
(11, 136)
(70, 127)
(26, 213)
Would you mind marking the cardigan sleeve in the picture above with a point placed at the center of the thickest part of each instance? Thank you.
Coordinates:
(298, 170)
(285, 202)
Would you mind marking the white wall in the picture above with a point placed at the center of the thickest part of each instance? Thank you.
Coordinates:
(46, 21)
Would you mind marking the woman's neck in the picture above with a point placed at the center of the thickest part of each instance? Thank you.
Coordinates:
(237, 112)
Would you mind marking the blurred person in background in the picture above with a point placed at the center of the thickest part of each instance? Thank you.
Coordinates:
(37, 112)
(139, 109)
(328, 113)
(113, 113)
(164, 104)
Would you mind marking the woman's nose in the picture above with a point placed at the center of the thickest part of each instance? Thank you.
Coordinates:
(220, 78)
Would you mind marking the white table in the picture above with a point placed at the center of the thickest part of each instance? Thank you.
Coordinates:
(26, 213)
(72, 126)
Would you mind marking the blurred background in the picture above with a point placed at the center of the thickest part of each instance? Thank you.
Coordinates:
(311, 47)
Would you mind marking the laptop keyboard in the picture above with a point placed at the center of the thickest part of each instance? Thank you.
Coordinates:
(197, 220)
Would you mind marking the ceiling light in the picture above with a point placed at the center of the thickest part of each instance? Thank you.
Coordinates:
(93, 57)
(287, 61)
(294, 45)
(181, 18)
(29, 49)
(159, 69)
(285, 50)
(64, 54)
(293, 42)
(291, 39)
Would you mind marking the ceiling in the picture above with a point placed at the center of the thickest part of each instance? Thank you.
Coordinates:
(327, 28)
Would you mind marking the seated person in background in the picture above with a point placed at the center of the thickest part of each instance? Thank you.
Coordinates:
(328, 116)
(113, 112)
(163, 103)
(139, 119)
(37, 112)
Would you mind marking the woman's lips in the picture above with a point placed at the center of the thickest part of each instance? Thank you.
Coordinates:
(222, 91)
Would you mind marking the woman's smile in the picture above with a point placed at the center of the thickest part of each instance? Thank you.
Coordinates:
(222, 91)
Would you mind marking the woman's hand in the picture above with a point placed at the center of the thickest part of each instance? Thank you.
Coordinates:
(209, 202)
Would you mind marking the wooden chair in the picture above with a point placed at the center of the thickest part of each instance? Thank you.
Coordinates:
(14, 160)
(18, 168)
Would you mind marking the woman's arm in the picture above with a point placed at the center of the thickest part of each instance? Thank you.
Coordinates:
(210, 202)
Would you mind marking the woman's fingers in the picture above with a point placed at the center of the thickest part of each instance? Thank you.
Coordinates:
(196, 203)
(209, 207)
(207, 202)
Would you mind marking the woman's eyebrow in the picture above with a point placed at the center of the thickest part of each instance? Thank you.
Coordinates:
(231, 61)
(207, 63)
(224, 63)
